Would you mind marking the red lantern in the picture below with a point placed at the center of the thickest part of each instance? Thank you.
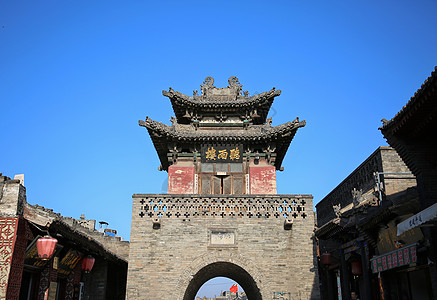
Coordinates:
(356, 268)
(88, 263)
(46, 247)
(326, 258)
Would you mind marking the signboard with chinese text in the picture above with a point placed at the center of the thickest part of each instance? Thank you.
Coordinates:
(69, 262)
(422, 217)
(337, 274)
(400, 257)
(52, 290)
(222, 153)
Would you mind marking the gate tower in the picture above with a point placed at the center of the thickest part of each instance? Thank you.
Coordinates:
(222, 215)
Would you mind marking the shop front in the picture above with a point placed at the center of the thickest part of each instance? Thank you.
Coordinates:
(403, 273)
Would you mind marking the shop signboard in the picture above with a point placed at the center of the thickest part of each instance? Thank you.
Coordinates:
(69, 262)
(337, 275)
(397, 258)
(422, 217)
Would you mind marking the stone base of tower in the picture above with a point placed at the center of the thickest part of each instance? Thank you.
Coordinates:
(263, 242)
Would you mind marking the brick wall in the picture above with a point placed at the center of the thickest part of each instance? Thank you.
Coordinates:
(395, 183)
(95, 281)
(244, 232)
(12, 197)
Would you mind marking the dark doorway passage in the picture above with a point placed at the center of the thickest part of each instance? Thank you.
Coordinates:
(223, 269)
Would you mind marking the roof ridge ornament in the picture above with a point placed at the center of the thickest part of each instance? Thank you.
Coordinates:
(234, 89)
(235, 85)
(207, 85)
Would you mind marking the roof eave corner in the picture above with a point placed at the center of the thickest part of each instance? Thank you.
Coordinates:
(385, 125)
(146, 123)
(276, 92)
(269, 95)
(418, 95)
(273, 93)
(168, 94)
(175, 95)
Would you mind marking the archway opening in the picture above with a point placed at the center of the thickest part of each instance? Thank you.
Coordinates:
(220, 286)
(223, 269)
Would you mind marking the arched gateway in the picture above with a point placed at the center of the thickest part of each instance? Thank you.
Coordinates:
(222, 269)
(222, 215)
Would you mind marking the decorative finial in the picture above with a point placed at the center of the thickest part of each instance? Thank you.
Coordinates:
(207, 84)
(233, 81)
(173, 121)
(209, 81)
(235, 85)
(357, 195)
(336, 209)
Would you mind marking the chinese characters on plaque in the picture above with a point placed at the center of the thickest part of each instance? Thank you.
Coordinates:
(401, 257)
(222, 153)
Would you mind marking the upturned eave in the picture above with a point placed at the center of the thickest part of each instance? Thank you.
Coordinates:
(210, 105)
(163, 135)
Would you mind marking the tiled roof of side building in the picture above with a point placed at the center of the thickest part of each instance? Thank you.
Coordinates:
(429, 87)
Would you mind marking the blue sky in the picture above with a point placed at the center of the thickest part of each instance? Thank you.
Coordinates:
(215, 286)
(76, 76)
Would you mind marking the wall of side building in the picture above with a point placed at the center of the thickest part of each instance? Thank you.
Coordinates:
(383, 160)
(357, 220)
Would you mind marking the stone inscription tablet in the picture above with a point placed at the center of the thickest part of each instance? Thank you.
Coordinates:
(222, 238)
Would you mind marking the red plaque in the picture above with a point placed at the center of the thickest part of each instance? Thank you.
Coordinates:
(180, 180)
(262, 180)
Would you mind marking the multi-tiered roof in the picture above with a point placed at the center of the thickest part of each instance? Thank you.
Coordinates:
(221, 116)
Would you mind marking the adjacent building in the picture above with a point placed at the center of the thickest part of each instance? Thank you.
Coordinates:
(377, 229)
(412, 132)
(356, 223)
(23, 275)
